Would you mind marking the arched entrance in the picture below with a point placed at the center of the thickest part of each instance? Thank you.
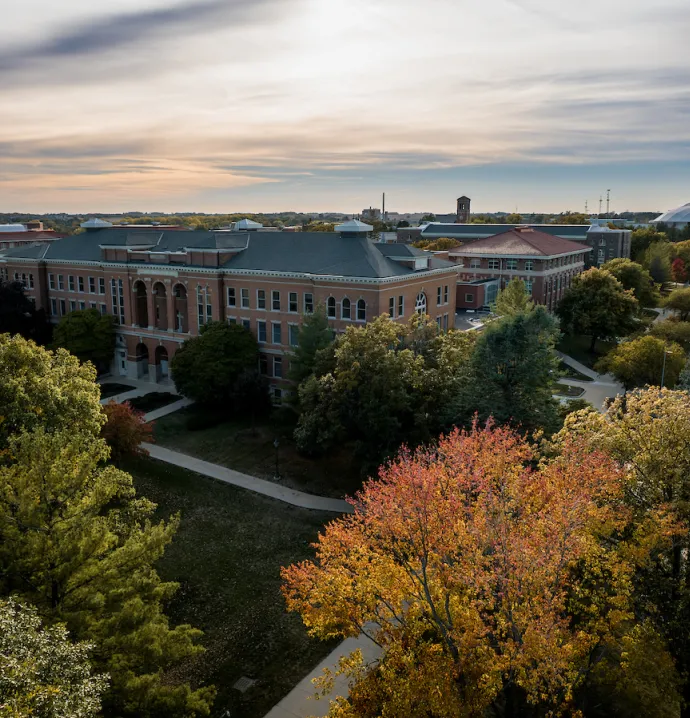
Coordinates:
(141, 311)
(160, 306)
(161, 363)
(142, 354)
(180, 308)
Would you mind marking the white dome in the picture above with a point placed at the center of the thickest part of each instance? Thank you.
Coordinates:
(675, 216)
(12, 228)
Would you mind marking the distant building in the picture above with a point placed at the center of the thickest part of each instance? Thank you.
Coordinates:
(545, 263)
(679, 218)
(477, 294)
(26, 235)
(371, 214)
(606, 243)
(463, 214)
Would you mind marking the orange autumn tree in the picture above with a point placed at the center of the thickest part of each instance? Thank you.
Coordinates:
(490, 578)
(125, 430)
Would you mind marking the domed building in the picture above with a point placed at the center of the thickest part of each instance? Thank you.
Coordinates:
(678, 218)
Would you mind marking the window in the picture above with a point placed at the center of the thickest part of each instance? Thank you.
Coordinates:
(51, 281)
(445, 322)
(261, 331)
(438, 297)
(475, 263)
(104, 309)
(31, 281)
(92, 285)
(445, 294)
(246, 323)
(82, 306)
(420, 304)
(261, 299)
(439, 319)
(277, 396)
(232, 299)
(93, 305)
(528, 285)
(469, 298)
(293, 335)
(602, 242)
(391, 306)
(494, 264)
(277, 333)
(203, 305)
(72, 305)
(244, 297)
(601, 257)
(232, 320)
(278, 367)
(401, 306)
(292, 302)
(330, 307)
(275, 300)
(70, 283)
(63, 308)
(511, 264)
(263, 364)
(118, 297)
(80, 280)
(101, 285)
(61, 282)
(308, 303)
(529, 265)
(361, 311)
(53, 307)
(345, 309)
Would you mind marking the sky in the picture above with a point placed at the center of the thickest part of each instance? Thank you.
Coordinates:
(322, 105)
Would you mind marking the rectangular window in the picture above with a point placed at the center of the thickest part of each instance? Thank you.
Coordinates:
(401, 306)
(275, 301)
(232, 299)
(439, 319)
(494, 264)
(308, 303)
(118, 297)
(469, 297)
(244, 293)
(82, 306)
(278, 367)
(61, 282)
(261, 298)
(104, 309)
(203, 305)
(232, 320)
(293, 334)
(101, 285)
(445, 294)
(80, 281)
(445, 322)
(361, 311)
(63, 307)
(277, 333)
(475, 263)
(92, 285)
(53, 307)
(529, 265)
(277, 396)
(70, 283)
(246, 323)
(263, 364)
(511, 264)
(438, 296)
(292, 302)
(51, 281)
(92, 305)
(391, 306)
(72, 305)
(261, 331)
(528, 286)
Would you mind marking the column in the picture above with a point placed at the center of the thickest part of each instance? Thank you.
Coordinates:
(150, 307)
(170, 308)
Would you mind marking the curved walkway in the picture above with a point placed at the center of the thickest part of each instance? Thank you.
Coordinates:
(598, 391)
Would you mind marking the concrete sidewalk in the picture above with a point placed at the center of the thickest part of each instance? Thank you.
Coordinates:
(259, 486)
(168, 409)
(598, 391)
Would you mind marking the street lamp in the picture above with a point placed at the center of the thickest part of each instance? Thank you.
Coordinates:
(663, 366)
(276, 444)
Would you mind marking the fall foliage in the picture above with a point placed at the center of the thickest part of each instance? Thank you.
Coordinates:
(125, 430)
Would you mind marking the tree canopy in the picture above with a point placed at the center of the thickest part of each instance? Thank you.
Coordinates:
(635, 277)
(206, 368)
(87, 334)
(42, 673)
(672, 331)
(657, 260)
(514, 299)
(314, 335)
(19, 316)
(679, 301)
(437, 245)
(596, 304)
(641, 239)
(124, 431)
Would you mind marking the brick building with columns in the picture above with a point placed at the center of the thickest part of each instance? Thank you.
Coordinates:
(163, 285)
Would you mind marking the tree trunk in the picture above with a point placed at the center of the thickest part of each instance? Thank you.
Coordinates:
(593, 344)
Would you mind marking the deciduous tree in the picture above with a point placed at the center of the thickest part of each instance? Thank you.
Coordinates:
(87, 334)
(671, 330)
(514, 299)
(596, 304)
(641, 239)
(657, 259)
(125, 430)
(42, 673)
(314, 335)
(19, 316)
(678, 271)
(679, 301)
(635, 277)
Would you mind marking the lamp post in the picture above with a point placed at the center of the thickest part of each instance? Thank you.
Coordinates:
(663, 367)
(276, 444)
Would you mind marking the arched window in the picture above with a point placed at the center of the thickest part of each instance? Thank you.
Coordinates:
(420, 304)
(361, 311)
(331, 307)
(346, 312)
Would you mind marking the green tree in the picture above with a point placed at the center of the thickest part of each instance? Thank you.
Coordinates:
(571, 218)
(679, 301)
(513, 367)
(43, 674)
(87, 334)
(657, 260)
(640, 361)
(597, 305)
(684, 378)
(314, 335)
(437, 245)
(514, 299)
(43, 388)
(672, 331)
(635, 277)
(207, 368)
(429, 217)
(403, 223)
(514, 218)
(77, 543)
(641, 239)
(18, 315)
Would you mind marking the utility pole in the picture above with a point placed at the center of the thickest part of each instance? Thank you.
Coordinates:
(608, 201)
(586, 209)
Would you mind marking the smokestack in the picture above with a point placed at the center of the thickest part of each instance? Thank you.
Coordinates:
(383, 208)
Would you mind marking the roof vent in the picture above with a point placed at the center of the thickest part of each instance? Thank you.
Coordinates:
(524, 228)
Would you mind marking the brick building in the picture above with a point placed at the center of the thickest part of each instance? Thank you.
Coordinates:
(163, 285)
(26, 235)
(545, 263)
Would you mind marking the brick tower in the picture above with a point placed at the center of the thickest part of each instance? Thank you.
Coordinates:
(463, 216)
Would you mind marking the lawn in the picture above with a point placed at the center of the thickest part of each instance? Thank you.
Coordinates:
(236, 445)
(568, 371)
(227, 557)
(111, 389)
(567, 390)
(155, 400)
(577, 347)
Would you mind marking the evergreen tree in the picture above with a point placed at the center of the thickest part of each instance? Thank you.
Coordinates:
(514, 299)
(314, 335)
(684, 378)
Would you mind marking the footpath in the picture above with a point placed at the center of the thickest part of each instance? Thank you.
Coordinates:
(598, 391)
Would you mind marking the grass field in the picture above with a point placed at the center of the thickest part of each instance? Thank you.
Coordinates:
(111, 389)
(567, 390)
(152, 401)
(577, 347)
(226, 557)
(238, 446)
